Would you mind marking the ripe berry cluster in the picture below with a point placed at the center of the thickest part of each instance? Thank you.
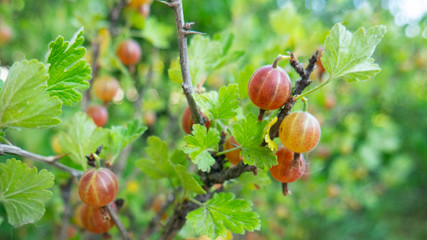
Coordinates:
(269, 88)
(97, 188)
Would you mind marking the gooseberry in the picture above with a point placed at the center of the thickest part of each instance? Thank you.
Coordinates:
(187, 121)
(98, 114)
(283, 171)
(98, 187)
(234, 157)
(269, 87)
(129, 52)
(105, 87)
(299, 132)
(96, 219)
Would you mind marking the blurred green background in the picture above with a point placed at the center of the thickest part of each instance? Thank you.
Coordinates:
(366, 178)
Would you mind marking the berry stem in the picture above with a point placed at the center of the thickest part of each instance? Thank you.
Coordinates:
(285, 189)
(98, 161)
(305, 101)
(227, 151)
(280, 57)
(295, 160)
(261, 115)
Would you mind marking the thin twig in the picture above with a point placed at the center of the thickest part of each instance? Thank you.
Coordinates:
(227, 174)
(187, 85)
(65, 194)
(115, 14)
(155, 221)
(114, 17)
(51, 160)
(117, 222)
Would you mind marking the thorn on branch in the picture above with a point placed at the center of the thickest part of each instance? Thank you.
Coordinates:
(188, 25)
(189, 32)
(169, 4)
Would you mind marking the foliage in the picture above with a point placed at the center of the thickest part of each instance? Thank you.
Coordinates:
(371, 154)
(23, 192)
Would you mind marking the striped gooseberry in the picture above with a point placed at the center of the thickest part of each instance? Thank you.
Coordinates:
(269, 87)
(105, 88)
(98, 187)
(234, 157)
(99, 115)
(187, 121)
(283, 171)
(129, 52)
(299, 132)
(96, 219)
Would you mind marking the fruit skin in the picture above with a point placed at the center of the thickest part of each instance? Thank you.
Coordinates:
(283, 171)
(129, 52)
(136, 3)
(56, 146)
(319, 63)
(96, 219)
(234, 157)
(5, 34)
(144, 10)
(105, 88)
(149, 118)
(187, 121)
(98, 187)
(99, 115)
(269, 87)
(299, 132)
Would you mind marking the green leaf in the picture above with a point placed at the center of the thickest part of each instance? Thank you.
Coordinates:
(24, 101)
(123, 136)
(157, 33)
(175, 75)
(157, 165)
(68, 70)
(249, 134)
(205, 56)
(188, 182)
(222, 106)
(23, 192)
(199, 145)
(348, 55)
(254, 182)
(82, 138)
(224, 212)
(179, 157)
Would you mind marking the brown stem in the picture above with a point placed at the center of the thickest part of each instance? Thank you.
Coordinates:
(276, 61)
(285, 189)
(227, 174)
(65, 194)
(117, 222)
(295, 160)
(154, 223)
(51, 160)
(187, 85)
(115, 14)
(261, 115)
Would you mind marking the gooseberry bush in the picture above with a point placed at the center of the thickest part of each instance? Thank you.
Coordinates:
(223, 140)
